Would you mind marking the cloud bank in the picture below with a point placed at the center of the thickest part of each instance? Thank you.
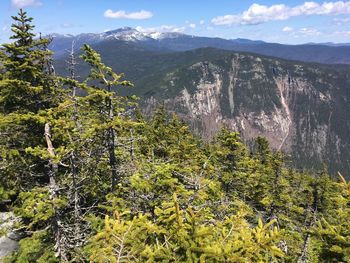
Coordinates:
(122, 14)
(258, 14)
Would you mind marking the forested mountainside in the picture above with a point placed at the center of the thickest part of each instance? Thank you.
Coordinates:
(170, 42)
(301, 108)
(90, 179)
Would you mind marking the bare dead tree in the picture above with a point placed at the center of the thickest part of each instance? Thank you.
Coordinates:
(78, 237)
(72, 71)
(53, 194)
(71, 66)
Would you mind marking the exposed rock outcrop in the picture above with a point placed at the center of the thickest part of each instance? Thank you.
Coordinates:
(9, 241)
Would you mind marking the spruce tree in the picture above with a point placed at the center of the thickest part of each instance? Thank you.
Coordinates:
(27, 85)
(110, 108)
(26, 88)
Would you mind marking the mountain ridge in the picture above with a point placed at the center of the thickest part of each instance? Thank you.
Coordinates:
(173, 41)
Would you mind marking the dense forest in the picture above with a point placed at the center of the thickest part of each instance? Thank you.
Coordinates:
(90, 179)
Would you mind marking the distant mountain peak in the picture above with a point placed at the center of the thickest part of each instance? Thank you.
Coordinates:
(125, 34)
(132, 34)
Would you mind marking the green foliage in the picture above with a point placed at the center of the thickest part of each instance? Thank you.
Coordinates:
(26, 86)
(334, 227)
(122, 240)
(183, 236)
(36, 206)
(34, 249)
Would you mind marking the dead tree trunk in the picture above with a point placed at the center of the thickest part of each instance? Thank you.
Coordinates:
(53, 190)
(72, 71)
(73, 158)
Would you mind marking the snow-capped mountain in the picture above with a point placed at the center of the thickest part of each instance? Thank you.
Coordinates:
(132, 34)
(123, 34)
(127, 34)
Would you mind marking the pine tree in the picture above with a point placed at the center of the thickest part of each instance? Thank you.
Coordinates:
(26, 88)
(110, 108)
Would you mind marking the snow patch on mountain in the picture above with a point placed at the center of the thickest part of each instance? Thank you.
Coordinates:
(123, 34)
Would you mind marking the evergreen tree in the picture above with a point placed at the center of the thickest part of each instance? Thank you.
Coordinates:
(110, 107)
(28, 85)
(26, 88)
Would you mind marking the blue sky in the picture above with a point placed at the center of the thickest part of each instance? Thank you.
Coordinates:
(270, 20)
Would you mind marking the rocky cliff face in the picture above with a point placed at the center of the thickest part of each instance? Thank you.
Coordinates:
(301, 109)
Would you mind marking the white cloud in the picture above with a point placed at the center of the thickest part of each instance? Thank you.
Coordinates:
(192, 25)
(257, 14)
(25, 3)
(287, 29)
(226, 20)
(163, 28)
(202, 22)
(122, 14)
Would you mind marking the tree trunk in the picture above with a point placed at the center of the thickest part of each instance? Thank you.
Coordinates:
(305, 251)
(111, 147)
(53, 190)
(72, 63)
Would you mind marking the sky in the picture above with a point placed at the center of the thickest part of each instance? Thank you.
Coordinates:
(281, 21)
